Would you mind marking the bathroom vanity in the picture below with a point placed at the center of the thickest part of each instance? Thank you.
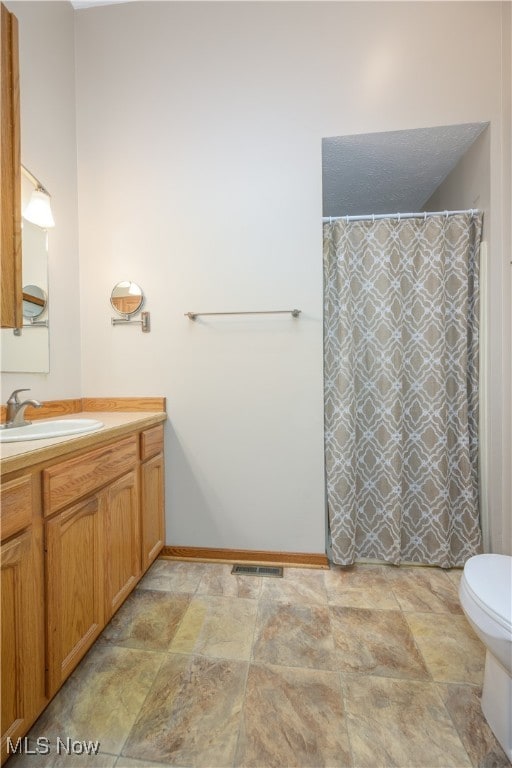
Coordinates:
(82, 519)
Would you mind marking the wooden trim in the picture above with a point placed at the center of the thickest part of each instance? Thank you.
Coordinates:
(33, 299)
(10, 173)
(52, 408)
(16, 142)
(49, 409)
(207, 554)
(126, 404)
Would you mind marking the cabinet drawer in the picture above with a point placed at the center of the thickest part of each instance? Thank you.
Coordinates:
(16, 505)
(151, 442)
(70, 480)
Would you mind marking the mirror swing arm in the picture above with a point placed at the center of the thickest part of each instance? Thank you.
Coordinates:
(144, 321)
(32, 324)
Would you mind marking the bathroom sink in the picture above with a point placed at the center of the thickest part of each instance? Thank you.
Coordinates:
(45, 429)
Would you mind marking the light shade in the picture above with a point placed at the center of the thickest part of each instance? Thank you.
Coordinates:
(39, 211)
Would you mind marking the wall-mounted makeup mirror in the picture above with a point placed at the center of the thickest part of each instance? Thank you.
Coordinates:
(27, 350)
(35, 301)
(127, 298)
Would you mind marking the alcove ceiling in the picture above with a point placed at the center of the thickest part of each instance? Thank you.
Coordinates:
(395, 171)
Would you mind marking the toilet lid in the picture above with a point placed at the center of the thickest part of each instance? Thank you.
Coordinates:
(490, 579)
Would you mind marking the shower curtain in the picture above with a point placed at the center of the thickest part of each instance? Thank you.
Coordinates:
(401, 325)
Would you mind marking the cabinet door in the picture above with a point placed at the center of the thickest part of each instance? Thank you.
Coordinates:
(22, 636)
(152, 509)
(74, 577)
(10, 174)
(122, 540)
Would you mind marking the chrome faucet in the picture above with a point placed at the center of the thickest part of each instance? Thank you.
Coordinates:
(16, 410)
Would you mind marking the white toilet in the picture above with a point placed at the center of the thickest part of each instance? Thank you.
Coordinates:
(486, 597)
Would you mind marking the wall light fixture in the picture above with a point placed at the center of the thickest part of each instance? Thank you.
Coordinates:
(38, 210)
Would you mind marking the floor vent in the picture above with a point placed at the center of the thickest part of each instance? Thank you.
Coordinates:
(257, 570)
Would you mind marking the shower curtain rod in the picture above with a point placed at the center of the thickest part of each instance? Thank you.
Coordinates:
(376, 216)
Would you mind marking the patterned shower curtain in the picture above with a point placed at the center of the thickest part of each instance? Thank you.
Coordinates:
(401, 325)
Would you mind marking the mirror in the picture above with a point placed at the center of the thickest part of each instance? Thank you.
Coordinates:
(127, 298)
(34, 302)
(29, 350)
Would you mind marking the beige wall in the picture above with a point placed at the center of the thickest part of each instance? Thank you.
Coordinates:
(199, 156)
(199, 130)
(469, 184)
(48, 149)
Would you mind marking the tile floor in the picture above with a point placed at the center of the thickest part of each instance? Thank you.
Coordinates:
(370, 666)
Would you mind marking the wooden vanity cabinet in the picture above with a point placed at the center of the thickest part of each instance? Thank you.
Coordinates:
(152, 494)
(22, 611)
(10, 174)
(77, 535)
(92, 549)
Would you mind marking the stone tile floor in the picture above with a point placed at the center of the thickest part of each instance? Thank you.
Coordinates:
(369, 666)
